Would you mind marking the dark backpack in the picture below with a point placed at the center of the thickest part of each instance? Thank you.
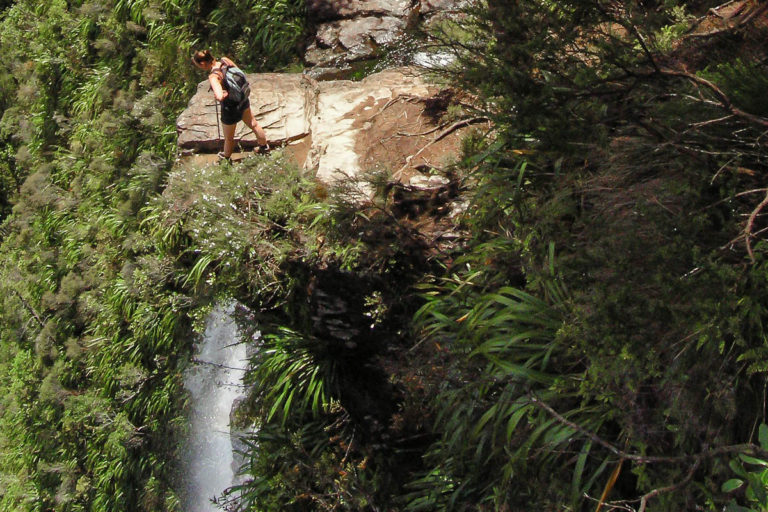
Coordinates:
(235, 83)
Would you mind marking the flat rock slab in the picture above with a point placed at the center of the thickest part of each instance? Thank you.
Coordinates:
(336, 128)
(282, 103)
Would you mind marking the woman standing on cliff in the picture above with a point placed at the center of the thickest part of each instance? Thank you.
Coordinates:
(233, 107)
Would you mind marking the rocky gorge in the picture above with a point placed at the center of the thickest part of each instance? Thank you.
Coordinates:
(517, 262)
(398, 120)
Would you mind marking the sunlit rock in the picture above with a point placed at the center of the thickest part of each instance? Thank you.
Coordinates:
(393, 120)
(283, 104)
(353, 39)
(338, 9)
(431, 6)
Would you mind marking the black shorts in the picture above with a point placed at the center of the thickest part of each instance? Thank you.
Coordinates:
(232, 112)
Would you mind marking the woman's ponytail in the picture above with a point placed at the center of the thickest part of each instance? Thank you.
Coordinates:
(202, 56)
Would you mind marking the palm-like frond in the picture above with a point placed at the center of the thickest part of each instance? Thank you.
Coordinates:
(490, 425)
(291, 378)
(90, 96)
(268, 33)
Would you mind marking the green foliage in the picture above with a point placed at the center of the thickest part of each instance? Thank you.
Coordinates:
(743, 81)
(638, 171)
(302, 469)
(291, 379)
(233, 225)
(260, 33)
(629, 144)
(94, 316)
(753, 478)
(509, 355)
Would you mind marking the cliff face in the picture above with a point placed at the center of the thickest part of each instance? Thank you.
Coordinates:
(349, 31)
(338, 128)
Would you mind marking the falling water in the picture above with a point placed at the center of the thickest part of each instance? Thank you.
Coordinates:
(433, 60)
(213, 383)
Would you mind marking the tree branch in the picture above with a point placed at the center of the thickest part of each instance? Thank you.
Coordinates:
(745, 20)
(29, 308)
(644, 459)
(669, 488)
(750, 225)
(644, 46)
(455, 126)
(724, 100)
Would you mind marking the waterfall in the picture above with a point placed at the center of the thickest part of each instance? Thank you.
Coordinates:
(214, 383)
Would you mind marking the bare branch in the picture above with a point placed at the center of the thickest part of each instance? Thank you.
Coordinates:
(644, 46)
(433, 130)
(644, 459)
(455, 126)
(409, 98)
(711, 121)
(744, 193)
(725, 101)
(613, 505)
(759, 10)
(29, 308)
(750, 225)
(669, 488)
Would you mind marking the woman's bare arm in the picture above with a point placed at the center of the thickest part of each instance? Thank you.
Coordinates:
(218, 90)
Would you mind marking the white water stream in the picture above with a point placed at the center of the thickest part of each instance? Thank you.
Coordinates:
(214, 382)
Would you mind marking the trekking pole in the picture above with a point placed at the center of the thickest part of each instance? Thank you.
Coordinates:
(216, 104)
(218, 123)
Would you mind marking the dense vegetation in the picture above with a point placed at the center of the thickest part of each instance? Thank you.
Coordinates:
(596, 334)
(97, 298)
(643, 140)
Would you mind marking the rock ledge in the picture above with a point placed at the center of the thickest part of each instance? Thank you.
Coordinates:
(337, 128)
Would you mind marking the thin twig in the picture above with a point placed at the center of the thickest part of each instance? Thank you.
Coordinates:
(217, 365)
(644, 46)
(30, 308)
(750, 224)
(433, 130)
(734, 240)
(725, 101)
(669, 488)
(616, 505)
(711, 121)
(405, 97)
(643, 459)
(455, 126)
(349, 447)
(726, 164)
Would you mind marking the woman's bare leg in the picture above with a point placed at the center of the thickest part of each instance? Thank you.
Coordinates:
(250, 121)
(229, 139)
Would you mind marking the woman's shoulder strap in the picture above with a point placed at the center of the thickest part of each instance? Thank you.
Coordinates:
(221, 70)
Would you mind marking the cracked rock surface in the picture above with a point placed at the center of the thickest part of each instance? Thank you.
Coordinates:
(325, 10)
(354, 30)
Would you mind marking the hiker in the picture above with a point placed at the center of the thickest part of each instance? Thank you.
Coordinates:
(230, 89)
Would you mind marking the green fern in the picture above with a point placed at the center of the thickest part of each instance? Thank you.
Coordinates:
(490, 426)
(292, 380)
